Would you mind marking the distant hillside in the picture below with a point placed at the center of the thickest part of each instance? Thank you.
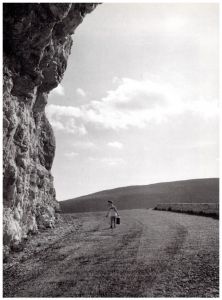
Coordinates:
(147, 196)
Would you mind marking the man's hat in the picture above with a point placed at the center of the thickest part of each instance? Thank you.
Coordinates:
(110, 201)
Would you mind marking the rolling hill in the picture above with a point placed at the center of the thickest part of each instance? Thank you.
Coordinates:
(147, 196)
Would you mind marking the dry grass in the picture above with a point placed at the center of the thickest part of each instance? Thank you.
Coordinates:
(150, 254)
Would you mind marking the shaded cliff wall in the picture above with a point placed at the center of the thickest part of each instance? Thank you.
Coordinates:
(37, 43)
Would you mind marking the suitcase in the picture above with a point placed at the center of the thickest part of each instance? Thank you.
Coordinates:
(118, 220)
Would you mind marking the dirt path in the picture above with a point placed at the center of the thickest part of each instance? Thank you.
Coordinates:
(151, 254)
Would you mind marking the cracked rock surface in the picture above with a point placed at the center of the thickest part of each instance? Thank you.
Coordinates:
(36, 44)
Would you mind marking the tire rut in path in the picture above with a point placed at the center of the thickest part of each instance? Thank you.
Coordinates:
(117, 271)
(56, 271)
(103, 271)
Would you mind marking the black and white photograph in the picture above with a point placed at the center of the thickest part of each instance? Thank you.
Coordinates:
(110, 149)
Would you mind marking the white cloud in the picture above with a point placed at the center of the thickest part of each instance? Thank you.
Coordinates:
(137, 103)
(116, 80)
(59, 90)
(132, 104)
(84, 145)
(64, 118)
(62, 111)
(71, 154)
(80, 92)
(207, 109)
(113, 161)
(110, 161)
(116, 145)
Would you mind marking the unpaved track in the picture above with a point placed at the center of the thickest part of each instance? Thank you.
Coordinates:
(151, 254)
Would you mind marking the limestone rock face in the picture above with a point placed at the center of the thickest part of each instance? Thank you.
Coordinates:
(36, 44)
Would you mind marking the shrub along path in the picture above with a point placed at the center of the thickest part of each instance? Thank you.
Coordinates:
(151, 254)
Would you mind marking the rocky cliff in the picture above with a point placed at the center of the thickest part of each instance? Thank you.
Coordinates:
(37, 43)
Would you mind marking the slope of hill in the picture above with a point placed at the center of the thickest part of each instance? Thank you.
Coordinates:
(147, 196)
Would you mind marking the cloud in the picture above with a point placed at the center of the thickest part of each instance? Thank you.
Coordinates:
(59, 90)
(113, 161)
(65, 118)
(116, 80)
(80, 92)
(84, 145)
(137, 103)
(71, 154)
(116, 145)
(62, 111)
(110, 161)
(133, 103)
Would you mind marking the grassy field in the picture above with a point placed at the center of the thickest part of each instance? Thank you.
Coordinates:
(151, 254)
(204, 209)
(148, 196)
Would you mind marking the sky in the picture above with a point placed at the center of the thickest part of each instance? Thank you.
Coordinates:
(138, 103)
